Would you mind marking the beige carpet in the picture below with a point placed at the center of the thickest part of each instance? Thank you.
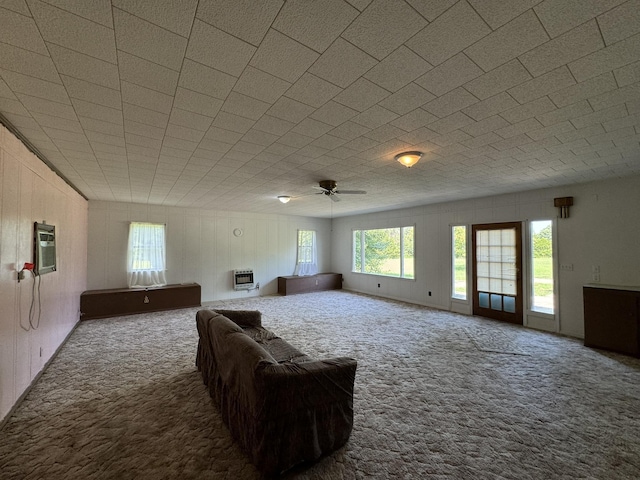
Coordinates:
(437, 395)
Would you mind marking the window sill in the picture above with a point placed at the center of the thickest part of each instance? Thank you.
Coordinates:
(541, 313)
(384, 276)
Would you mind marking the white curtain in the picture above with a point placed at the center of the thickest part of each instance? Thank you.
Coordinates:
(146, 255)
(307, 262)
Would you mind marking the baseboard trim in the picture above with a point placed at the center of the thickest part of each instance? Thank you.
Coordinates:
(15, 406)
(398, 299)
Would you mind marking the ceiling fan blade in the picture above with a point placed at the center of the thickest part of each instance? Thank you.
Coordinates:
(351, 192)
(320, 188)
(334, 198)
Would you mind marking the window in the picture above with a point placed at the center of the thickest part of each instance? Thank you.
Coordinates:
(459, 262)
(307, 262)
(542, 285)
(384, 251)
(146, 255)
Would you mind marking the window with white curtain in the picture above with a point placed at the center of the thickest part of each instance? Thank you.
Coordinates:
(307, 262)
(146, 264)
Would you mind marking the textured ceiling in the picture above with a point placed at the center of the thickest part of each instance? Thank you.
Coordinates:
(227, 104)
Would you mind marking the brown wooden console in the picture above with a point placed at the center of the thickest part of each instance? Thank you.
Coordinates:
(612, 318)
(127, 301)
(309, 283)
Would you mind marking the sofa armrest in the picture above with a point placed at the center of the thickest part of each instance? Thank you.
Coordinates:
(243, 318)
(305, 411)
(287, 387)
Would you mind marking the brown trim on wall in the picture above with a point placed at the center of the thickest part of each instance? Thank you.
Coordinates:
(33, 149)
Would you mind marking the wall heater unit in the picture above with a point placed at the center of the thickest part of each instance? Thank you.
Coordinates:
(44, 248)
(243, 279)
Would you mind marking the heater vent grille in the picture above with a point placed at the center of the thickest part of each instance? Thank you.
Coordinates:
(243, 279)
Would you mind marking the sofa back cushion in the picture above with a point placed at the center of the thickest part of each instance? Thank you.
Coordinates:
(237, 358)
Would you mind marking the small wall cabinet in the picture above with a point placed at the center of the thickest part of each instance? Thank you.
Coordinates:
(612, 318)
(309, 283)
(127, 301)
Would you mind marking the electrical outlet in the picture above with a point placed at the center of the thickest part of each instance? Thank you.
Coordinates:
(595, 277)
(429, 293)
(378, 285)
(595, 268)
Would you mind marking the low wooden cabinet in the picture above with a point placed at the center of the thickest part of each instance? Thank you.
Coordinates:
(127, 301)
(612, 318)
(309, 283)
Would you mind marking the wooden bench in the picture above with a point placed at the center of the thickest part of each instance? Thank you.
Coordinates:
(127, 301)
(309, 283)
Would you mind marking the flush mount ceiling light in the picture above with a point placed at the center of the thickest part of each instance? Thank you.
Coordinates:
(408, 159)
(284, 198)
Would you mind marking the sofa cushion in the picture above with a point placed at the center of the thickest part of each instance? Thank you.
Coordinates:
(250, 322)
(283, 352)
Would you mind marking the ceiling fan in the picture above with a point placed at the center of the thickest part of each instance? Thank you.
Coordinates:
(330, 189)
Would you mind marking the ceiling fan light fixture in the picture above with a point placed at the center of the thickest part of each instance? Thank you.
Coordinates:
(284, 198)
(408, 159)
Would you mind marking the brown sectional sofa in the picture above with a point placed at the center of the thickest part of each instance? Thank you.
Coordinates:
(281, 407)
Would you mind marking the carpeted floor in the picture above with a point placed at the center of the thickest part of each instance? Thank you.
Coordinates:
(437, 395)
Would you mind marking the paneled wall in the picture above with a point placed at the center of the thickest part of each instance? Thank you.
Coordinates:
(202, 246)
(603, 230)
(30, 192)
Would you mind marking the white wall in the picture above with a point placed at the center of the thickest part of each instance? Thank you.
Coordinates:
(603, 230)
(201, 246)
(30, 192)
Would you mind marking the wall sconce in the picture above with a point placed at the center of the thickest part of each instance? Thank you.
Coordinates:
(284, 198)
(408, 159)
(563, 203)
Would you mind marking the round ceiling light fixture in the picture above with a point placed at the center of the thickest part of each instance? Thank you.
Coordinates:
(284, 198)
(408, 159)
